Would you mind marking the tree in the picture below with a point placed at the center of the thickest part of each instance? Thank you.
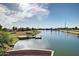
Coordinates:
(4, 29)
(27, 28)
(76, 28)
(33, 28)
(14, 28)
(0, 27)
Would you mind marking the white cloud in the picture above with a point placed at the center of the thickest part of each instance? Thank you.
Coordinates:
(8, 16)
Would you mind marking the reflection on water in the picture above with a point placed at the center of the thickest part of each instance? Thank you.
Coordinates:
(32, 43)
(62, 43)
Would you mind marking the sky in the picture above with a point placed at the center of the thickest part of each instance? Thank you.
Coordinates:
(39, 15)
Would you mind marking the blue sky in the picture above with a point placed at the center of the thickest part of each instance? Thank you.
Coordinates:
(61, 13)
(39, 15)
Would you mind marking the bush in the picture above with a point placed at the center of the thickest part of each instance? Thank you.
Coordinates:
(2, 52)
(5, 41)
(4, 37)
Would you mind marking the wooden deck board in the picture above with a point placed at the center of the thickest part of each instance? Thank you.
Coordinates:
(30, 53)
(26, 37)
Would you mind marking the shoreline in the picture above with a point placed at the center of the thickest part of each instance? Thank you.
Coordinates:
(14, 38)
(75, 32)
(23, 33)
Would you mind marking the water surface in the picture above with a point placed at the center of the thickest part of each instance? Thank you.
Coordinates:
(63, 44)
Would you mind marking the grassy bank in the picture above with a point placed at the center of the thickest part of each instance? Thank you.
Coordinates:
(10, 38)
(14, 35)
(75, 32)
(28, 33)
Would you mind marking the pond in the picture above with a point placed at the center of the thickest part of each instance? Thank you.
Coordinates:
(64, 44)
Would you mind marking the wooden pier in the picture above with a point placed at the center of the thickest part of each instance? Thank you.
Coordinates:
(30, 52)
(28, 37)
